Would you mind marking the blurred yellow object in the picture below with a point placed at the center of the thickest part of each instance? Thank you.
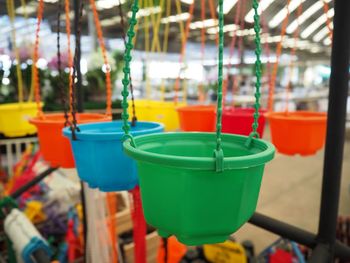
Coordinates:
(157, 111)
(14, 119)
(226, 252)
(34, 211)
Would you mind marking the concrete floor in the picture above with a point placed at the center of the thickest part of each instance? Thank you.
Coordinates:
(291, 191)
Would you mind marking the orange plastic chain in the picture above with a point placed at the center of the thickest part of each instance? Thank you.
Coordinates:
(292, 54)
(326, 9)
(70, 56)
(183, 49)
(105, 59)
(200, 88)
(240, 48)
(111, 199)
(213, 16)
(36, 79)
(275, 66)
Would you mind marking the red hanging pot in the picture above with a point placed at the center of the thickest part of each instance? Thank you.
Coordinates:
(300, 132)
(239, 121)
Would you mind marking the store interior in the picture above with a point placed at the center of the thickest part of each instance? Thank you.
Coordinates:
(174, 131)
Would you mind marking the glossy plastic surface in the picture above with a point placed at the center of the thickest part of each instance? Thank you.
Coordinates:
(99, 156)
(55, 148)
(14, 119)
(197, 118)
(299, 132)
(240, 120)
(183, 195)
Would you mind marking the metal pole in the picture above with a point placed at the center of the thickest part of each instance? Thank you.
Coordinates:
(338, 93)
(33, 182)
(296, 234)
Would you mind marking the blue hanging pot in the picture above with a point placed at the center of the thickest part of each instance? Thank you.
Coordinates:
(99, 157)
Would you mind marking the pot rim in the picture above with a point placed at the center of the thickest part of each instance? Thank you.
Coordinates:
(265, 155)
(298, 116)
(89, 131)
(51, 118)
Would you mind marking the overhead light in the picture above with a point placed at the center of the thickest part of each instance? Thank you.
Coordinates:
(29, 9)
(317, 23)
(228, 5)
(204, 23)
(189, 2)
(146, 11)
(108, 4)
(327, 41)
(175, 18)
(71, 15)
(315, 49)
(243, 32)
(110, 21)
(271, 39)
(282, 14)
(322, 33)
(305, 15)
(263, 5)
(226, 28)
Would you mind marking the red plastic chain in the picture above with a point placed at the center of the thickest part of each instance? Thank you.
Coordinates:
(183, 49)
(326, 9)
(240, 48)
(140, 227)
(36, 78)
(275, 65)
(105, 59)
(292, 54)
(232, 49)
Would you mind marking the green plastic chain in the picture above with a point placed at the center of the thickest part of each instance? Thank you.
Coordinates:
(126, 70)
(218, 153)
(255, 124)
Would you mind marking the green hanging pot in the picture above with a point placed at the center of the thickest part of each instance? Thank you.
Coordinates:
(183, 195)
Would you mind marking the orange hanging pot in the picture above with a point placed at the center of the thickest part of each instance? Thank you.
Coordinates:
(197, 118)
(56, 148)
(300, 132)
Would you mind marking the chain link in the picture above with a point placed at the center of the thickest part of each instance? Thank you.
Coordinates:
(257, 95)
(126, 70)
(59, 66)
(121, 14)
(218, 153)
(77, 52)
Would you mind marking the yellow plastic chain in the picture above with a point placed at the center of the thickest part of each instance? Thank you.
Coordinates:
(147, 49)
(11, 13)
(156, 24)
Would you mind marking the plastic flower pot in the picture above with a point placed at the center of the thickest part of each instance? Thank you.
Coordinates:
(14, 119)
(197, 118)
(55, 148)
(299, 132)
(239, 121)
(99, 157)
(157, 111)
(183, 195)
